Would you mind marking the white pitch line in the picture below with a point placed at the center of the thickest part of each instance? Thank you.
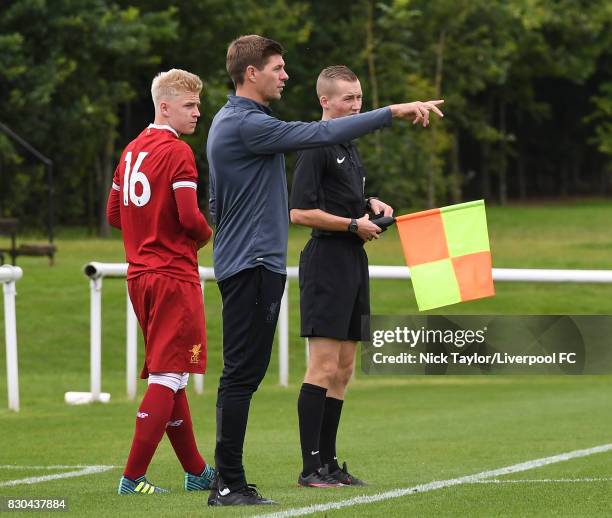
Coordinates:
(438, 484)
(532, 480)
(59, 466)
(85, 470)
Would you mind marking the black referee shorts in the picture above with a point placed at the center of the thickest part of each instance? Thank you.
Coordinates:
(334, 289)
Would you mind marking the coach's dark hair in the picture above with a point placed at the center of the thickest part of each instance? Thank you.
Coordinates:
(249, 50)
(334, 73)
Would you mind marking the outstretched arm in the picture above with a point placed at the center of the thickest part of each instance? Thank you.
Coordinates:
(266, 135)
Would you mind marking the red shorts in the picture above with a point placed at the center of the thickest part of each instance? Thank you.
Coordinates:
(171, 316)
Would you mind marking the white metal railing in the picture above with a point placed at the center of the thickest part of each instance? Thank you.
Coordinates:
(8, 276)
(97, 271)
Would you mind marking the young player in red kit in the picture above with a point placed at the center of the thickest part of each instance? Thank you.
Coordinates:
(153, 201)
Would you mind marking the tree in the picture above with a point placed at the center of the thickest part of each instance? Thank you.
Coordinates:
(74, 67)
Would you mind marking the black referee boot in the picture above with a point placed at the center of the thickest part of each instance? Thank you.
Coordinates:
(247, 495)
(342, 475)
(318, 479)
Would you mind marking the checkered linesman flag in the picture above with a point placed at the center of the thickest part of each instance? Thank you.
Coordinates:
(448, 253)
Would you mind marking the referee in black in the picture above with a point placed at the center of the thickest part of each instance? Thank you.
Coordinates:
(328, 196)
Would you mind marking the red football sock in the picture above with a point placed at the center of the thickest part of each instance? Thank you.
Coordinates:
(151, 420)
(180, 433)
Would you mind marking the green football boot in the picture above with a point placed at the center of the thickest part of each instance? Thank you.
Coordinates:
(140, 486)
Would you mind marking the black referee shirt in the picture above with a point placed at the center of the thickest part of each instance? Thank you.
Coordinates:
(332, 179)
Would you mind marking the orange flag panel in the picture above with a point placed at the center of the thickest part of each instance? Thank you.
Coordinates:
(423, 238)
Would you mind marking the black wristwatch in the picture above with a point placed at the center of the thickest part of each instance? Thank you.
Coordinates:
(353, 226)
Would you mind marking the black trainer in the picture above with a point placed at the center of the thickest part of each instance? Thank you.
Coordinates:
(318, 479)
(343, 476)
(247, 495)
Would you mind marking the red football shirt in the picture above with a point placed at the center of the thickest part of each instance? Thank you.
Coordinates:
(152, 167)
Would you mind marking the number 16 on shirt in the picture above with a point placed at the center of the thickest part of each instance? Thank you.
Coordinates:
(131, 178)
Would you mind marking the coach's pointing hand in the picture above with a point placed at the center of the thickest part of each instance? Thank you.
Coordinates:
(417, 112)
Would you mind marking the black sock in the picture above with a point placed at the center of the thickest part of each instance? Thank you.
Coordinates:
(311, 405)
(329, 429)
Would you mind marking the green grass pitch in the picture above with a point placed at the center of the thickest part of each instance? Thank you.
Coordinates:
(396, 432)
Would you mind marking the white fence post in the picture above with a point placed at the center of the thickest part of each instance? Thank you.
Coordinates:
(95, 330)
(10, 330)
(95, 335)
(9, 275)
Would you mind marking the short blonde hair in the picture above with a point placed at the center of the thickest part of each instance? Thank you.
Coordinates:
(173, 83)
(329, 75)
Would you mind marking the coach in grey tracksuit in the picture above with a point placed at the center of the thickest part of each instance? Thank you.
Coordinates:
(248, 201)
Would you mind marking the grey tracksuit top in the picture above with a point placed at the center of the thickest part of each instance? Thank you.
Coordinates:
(248, 184)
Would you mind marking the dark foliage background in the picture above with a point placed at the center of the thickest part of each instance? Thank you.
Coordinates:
(527, 84)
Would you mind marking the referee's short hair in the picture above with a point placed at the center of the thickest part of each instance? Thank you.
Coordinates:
(334, 73)
(249, 50)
